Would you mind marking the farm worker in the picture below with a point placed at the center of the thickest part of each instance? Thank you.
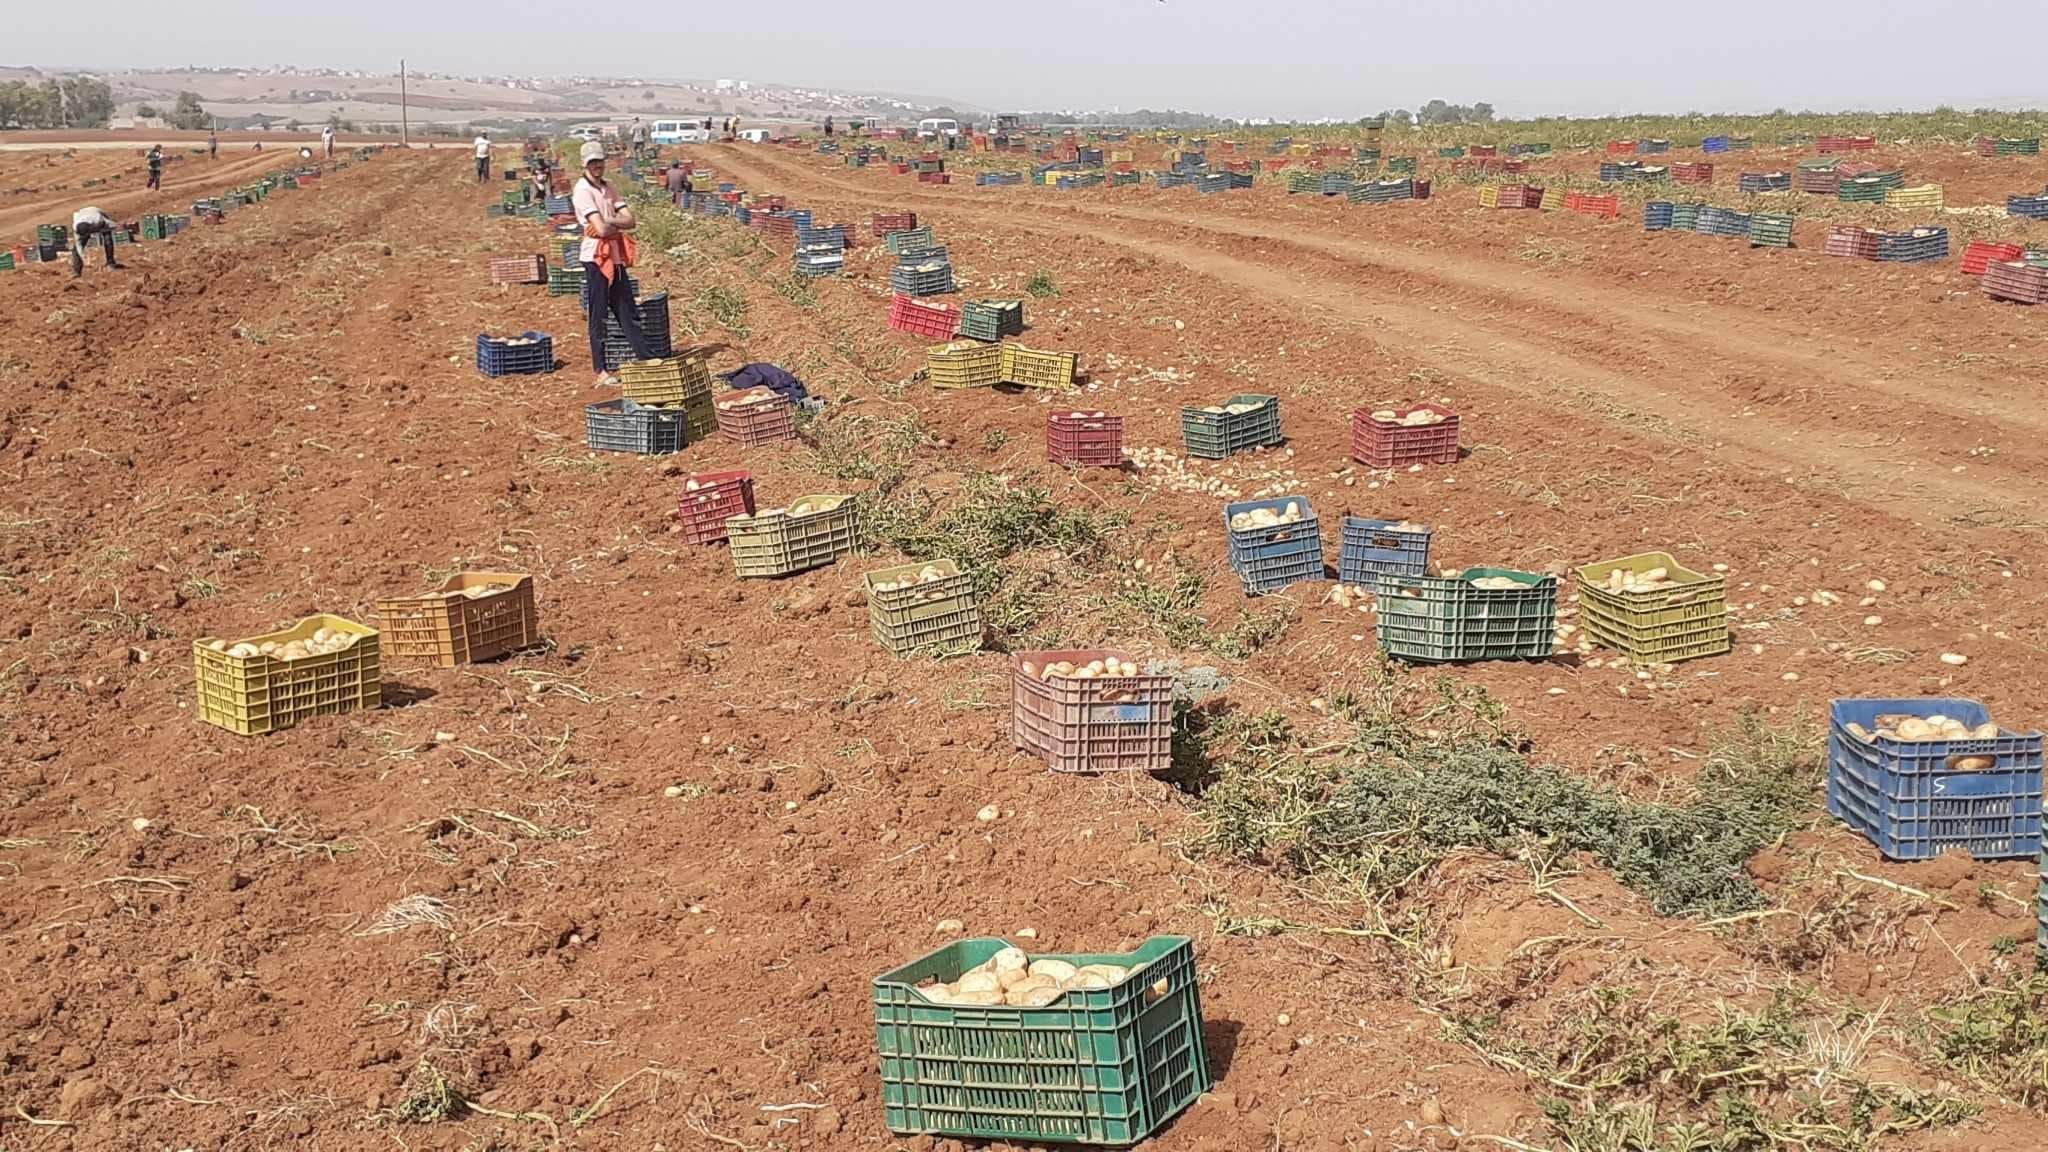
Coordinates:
(212, 145)
(156, 166)
(88, 222)
(606, 254)
(541, 185)
(327, 141)
(828, 127)
(707, 123)
(483, 156)
(639, 137)
(678, 182)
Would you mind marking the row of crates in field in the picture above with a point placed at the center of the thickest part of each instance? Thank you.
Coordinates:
(1761, 229)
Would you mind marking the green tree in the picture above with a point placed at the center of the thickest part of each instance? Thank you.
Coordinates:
(145, 111)
(86, 102)
(189, 113)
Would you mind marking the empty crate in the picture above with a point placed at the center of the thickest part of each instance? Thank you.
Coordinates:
(926, 605)
(1239, 424)
(1388, 438)
(1102, 723)
(1916, 799)
(1442, 619)
(471, 617)
(1684, 616)
(812, 532)
(1086, 439)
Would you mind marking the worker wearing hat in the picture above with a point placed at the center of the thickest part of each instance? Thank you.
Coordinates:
(606, 254)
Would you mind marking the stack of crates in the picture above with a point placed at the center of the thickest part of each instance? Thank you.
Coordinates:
(924, 606)
(667, 382)
(1270, 558)
(1380, 439)
(751, 417)
(922, 273)
(1682, 620)
(1084, 439)
(1027, 368)
(566, 280)
(811, 532)
(1449, 619)
(1106, 723)
(1242, 423)
(1370, 548)
(991, 319)
(917, 238)
(1917, 799)
(964, 364)
(709, 498)
(654, 330)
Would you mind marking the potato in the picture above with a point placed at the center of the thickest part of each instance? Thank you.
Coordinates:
(1030, 669)
(1086, 982)
(978, 999)
(1974, 763)
(1912, 728)
(244, 651)
(218, 646)
(1985, 731)
(1010, 960)
(978, 982)
(937, 993)
(1653, 575)
(1109, 972)
(1857, 731)
(1010, 978)
(1058, 971)
(1034, 997)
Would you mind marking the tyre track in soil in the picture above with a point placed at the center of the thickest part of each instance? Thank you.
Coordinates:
(1567, 357)
(199, 177)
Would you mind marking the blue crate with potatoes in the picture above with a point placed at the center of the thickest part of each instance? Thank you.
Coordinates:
(1274, 543)
(527, 354)
(1368, 548)
(1920, 777)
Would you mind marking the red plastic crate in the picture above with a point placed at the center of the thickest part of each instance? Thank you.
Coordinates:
(1851, 241)
(717, 495)
(519, 270)
(1109, 724)
(1621, 147)
(749, 421)
(923, 318)
(1514, 166)
(1983, 253)
(1692, 173)
(900, 169)
(1390, 444)
(1483, 150)
(2017, 282)
(1421, 189)
(779, 226)
(1986, 146)
(886, 222)
(1607, 206)
(772, 203)
(934, 177)
(1087, 439)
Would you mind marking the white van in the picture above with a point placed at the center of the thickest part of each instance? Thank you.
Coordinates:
(678, 132)
(933, 128)
(755, 135)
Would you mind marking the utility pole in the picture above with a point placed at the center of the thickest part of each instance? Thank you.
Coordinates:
(404, 120)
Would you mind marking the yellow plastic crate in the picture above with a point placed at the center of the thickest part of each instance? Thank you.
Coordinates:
(675, 380)
(1027, 368)
(1121, 156)
(1489, 197)
(252, 695)
(812, 532)
(1922, 196)
(964, 364)
(1553, 198)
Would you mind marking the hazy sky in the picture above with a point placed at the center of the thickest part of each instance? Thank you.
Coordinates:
(1228, 57)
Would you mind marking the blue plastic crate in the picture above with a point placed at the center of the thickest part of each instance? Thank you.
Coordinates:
(1272, 573)
(1916, 246)
(1911, 800)
(1248, 545)
(1657, 216)
(2027, 207)
(496, 357)
(831, 235)
(558, 206)
(626, 426)
(1371, 547)
(1714, 144)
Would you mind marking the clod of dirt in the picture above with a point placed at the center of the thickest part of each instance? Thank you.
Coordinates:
(81, 1096)
(1947, 870)
(1432, 1111)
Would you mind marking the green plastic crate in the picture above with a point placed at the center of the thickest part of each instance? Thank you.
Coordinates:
(1661, 626)
(1444, 619)
(1769, 230)
(778, 543)
(940, 613)
(1215, 435)
(991, 319)
(1110, 1066)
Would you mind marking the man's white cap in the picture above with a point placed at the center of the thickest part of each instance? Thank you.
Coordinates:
(592, 150)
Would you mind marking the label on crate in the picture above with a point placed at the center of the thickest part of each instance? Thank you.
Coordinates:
(1120, 713)
(1960, 784)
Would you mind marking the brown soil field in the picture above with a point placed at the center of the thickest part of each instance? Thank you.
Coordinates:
(668, 852)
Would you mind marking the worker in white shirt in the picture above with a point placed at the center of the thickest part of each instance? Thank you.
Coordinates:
(483, 157)
(86, 223)
(327, 140)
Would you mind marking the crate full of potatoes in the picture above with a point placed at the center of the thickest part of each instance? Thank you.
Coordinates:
(927, 605)
(1091, 711)
(751, 417)
(1239, 424)
(320, 666)
(1920, 777)
(1653, 610)
(1477, 614)
(981, 1041)
(811, 532)
(470, 618)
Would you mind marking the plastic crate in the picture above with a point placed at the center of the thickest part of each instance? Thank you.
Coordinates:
(912, 239)
(1444, 619)
(779, 542)
(627, 426)
(519, 270)
(708, 498)
(1370, 548)
(1685, 621)
(1387, 443)
(665, 381)
(933, 321)
(446, 627)
(1110, 1066)
(1108, 724)
(1084, 439)
(1214, 435)
(1911, 800)
(1027, 368)
(1269, 559)
(751, 417)
(884, 223)
(2016, 282)
(928, 278)
(964, 364)
(498, 356)
(1981, 254)
(253, 695)
(939, 614)
(1770, 230)
(565, 281)
(991, 320)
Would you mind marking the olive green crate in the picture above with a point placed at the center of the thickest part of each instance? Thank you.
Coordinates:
(1656, 626)
(1444, 619)
(941, 613)
(253, 695)
(670, 380)
(1214, 435)
(1110, 1066)
(778, 542)
(700, 418)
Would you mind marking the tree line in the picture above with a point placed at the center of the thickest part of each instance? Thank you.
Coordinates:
(65, 102)
(1438, 112)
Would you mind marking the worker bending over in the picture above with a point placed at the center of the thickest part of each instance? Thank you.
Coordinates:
(86, 223)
